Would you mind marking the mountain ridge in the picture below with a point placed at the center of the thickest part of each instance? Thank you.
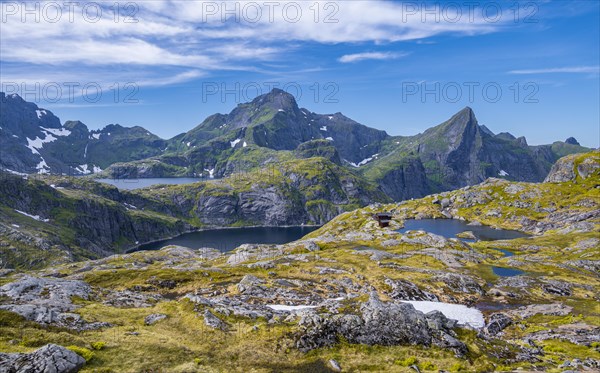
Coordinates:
(269, 129)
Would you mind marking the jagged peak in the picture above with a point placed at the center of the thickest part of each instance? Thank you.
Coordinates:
(75, 124)
(462, 121)
(572, 141)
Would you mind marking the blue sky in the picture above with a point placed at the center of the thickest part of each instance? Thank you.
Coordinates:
(371, 60)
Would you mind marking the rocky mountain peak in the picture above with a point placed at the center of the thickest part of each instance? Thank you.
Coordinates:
(461, 127)
(277, 99)
(572, 141)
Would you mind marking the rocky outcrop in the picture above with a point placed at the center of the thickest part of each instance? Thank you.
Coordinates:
(571, 166)
(49, 359)
(379, 323)
(48, 301)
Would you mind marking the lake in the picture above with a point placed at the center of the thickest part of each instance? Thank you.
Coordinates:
(228, 239)
(130, 184)
(449, 228)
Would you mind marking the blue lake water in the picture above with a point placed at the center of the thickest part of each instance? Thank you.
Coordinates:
(506, 272)
(505, 252)
(449, 228)
(228, 239)
(131, 184)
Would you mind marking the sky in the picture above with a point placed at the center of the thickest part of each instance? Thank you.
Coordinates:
(532, 69)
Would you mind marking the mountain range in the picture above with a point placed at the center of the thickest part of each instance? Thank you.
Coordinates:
(269, 130)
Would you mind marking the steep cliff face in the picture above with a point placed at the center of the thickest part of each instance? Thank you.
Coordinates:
(309, 191)
(405, 181)
(81, 223)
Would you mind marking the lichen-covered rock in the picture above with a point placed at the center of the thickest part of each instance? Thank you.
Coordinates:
(460, 283)
(49, 301)
(497, 323)
(378, 323)
(49, 359)
(154, 318)
(213, 321)
(406, 290)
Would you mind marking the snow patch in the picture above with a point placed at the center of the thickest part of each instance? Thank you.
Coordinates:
(329, 138)
(42, 167)
(324, 128)
(83, 168)
(363, 162)
(14, 172)
(188, 144)
(330, 118)
(281, 111)
(60, 132)
(35, 217)
(95, 136)
(282, 307)
(85, 151)
(41, 113)
(38, 143)
(211, 173)
(235, 142)
(463, 314)
(503, 173)
(245, 144)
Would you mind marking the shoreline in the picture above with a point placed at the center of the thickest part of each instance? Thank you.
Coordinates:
(136, 247)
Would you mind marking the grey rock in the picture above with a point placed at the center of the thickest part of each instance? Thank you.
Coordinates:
(378, 324)
(48, 359)
(496, 323)
(555, 309)
(334, 365)
(154, 318)
(213, 321)
(406, 290)
(557, 288)
(48, 301)
(460, 283)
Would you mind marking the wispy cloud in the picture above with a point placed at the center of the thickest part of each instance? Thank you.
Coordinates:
(357, 57)
(176, 34)
(560, 70)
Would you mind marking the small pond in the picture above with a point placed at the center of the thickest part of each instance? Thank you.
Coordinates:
(449, 228)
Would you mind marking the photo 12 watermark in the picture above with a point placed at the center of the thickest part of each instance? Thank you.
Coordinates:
(471, 92)
(238, 92)
(89, 92)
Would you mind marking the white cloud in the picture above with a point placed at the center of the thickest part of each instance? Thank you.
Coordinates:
(179, 34)
(560, 70)
(370, 56)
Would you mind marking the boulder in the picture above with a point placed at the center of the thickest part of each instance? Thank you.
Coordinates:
(496, 323)
(49, 359)
(213, 321)
(378, 323)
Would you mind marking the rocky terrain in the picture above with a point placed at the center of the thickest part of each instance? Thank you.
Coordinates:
(348, 297)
